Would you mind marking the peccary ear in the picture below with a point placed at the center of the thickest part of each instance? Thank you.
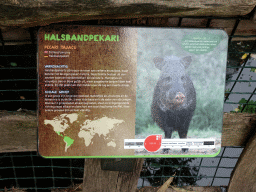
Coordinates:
(159, 62)
(186, 61)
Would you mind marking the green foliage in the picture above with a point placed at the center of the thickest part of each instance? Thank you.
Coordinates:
(248, 108)
(13, 64)
(207, 116)
(253, 70)
(143, 116)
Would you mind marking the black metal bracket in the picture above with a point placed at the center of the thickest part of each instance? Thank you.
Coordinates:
(118, 164)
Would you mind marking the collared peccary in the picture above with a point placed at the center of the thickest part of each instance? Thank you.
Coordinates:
(174, 99)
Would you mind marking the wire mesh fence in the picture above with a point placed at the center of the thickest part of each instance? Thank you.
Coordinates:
(31, 172)
(28, 170)
(18, 91)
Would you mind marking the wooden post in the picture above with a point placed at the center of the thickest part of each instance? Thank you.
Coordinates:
(243, 177)
(22, 127)
(254, 16)
(97, 179)
(32, 13)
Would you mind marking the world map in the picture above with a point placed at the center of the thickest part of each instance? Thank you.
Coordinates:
(88, 129)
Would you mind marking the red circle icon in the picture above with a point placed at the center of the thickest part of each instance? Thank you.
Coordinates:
(153, 142)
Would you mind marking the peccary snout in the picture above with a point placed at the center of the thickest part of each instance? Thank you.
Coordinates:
(174, 98)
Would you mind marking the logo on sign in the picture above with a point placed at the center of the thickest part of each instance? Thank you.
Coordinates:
(153, 143)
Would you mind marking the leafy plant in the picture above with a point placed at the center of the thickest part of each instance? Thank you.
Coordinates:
(226, 90)
(248, 108)
(253, 70)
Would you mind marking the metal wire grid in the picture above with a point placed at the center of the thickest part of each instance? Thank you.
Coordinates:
(19, 182)
(178, 169)
(115, 22)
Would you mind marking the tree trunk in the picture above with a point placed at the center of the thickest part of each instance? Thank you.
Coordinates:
(97, 179)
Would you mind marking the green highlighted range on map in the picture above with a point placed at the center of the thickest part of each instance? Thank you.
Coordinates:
(88, 129)
(67, 140)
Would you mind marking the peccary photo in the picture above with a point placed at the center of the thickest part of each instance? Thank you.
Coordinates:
(174, 99)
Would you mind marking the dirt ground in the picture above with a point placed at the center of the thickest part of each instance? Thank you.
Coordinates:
(18, 131)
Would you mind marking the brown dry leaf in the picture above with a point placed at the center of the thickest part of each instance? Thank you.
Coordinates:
(253, 56)
(244, 56)
(14, 190)
(22, 97)
(166, 184)
(202, 189)
(181, 190)
(148, 189)
(236, 109)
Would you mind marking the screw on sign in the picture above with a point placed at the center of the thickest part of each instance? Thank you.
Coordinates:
(153, 143)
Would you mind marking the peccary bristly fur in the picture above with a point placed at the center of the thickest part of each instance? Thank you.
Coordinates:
(174, 99)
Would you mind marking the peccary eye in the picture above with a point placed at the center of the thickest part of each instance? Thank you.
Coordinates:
(183, 78)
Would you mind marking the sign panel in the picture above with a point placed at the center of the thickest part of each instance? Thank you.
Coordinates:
(130, 91)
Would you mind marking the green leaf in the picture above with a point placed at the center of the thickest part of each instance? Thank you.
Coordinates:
(13, 64)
